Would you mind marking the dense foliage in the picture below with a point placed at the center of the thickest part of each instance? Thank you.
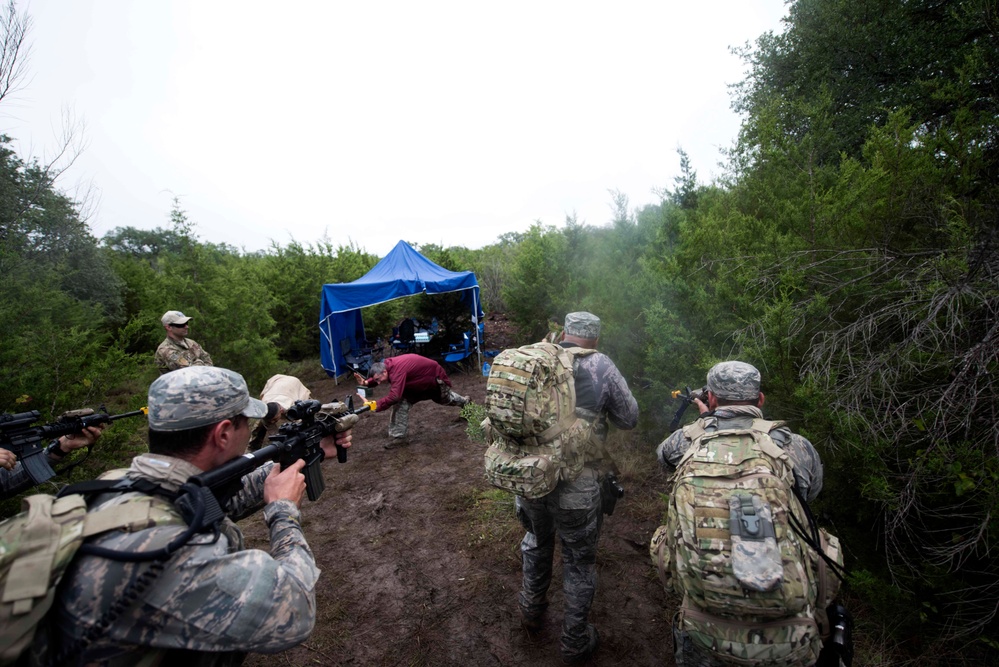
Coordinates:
(851, 252)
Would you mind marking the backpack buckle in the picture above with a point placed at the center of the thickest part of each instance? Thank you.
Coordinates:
(746, 521)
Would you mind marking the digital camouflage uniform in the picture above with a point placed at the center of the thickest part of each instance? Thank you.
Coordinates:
(214, 600)
(738, 381)
(211, 596)
(173, 354)
(573, 509)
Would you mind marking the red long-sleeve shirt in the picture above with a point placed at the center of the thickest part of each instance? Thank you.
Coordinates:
(412, 377)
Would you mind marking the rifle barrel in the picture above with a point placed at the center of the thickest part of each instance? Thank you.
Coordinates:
(133, 413)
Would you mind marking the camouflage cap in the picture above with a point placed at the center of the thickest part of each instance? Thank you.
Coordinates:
(582, 325)
(199, 396)
(174, 317)
(734, 381)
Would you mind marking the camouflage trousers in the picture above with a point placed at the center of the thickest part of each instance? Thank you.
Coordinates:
(573, 512)
(399, 415)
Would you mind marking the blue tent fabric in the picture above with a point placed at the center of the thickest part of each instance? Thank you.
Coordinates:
(401, 273)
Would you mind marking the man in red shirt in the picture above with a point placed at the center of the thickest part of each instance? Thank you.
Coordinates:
(413, 379)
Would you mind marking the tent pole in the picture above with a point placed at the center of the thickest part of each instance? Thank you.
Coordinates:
(478, 343)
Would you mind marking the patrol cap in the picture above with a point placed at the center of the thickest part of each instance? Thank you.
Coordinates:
(734, 381)
(199, 396)
(583, 325)
(174, 317)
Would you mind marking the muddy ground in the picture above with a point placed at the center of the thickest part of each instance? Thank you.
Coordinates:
(420, 555)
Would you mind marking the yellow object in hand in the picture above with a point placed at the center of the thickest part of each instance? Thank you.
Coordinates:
(371, 404)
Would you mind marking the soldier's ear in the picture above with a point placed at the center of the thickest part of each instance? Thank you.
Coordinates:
(760, 400)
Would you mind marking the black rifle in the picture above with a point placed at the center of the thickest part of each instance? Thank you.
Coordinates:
(837, 650)
(686, 398)
(204, 498)
(26, 441)
(611, 491)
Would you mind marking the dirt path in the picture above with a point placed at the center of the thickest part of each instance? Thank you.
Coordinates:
(421, 562)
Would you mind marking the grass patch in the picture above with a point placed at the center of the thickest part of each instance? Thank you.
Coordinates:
(492, 519)
(474, 414)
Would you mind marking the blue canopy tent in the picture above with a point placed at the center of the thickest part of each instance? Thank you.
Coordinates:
(401, 273)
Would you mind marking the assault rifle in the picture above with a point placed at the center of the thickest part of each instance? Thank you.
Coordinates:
(686, 398)
(204, 498)
(610, 492)
(26, 441)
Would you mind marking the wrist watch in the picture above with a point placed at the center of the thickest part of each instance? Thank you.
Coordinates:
(55, 451)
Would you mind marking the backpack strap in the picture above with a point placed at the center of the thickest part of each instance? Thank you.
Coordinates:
(153, 508)
(42, 539)
(578, 352)
(692, 432)
(765, 426)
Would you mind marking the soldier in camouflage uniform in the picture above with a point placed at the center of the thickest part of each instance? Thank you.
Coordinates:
(734, 401)
(177, 350)
(573, 509)
(214, 600)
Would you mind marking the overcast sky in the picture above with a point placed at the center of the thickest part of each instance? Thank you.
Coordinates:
(371, 122)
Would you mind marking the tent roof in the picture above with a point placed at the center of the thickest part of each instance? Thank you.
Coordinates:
(402, 272)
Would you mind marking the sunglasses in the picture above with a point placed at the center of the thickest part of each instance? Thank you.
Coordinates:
(179, 326)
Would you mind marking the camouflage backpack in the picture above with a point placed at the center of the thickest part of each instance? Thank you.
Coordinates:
(37, 546)
(535, 437)
(753, 592)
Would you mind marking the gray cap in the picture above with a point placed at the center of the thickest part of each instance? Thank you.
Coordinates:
(582, 325)
(199, 396)
(734, 381)
(174, 317)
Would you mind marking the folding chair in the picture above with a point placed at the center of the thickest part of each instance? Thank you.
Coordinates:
(358, 360)
(458, 353)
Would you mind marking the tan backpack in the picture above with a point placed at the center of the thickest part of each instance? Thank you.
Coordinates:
(753, 590)
(535, 436)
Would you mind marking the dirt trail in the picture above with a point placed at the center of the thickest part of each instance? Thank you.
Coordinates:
(420, 556)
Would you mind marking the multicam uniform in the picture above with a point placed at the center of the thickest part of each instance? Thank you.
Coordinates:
(573, 510)
(804, 458)
(807, 468)
(414, 378)
(173, 354)
(212, 602)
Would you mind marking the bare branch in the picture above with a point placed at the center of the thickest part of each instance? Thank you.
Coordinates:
(14, 49)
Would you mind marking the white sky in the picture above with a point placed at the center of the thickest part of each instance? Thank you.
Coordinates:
(371, 122)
